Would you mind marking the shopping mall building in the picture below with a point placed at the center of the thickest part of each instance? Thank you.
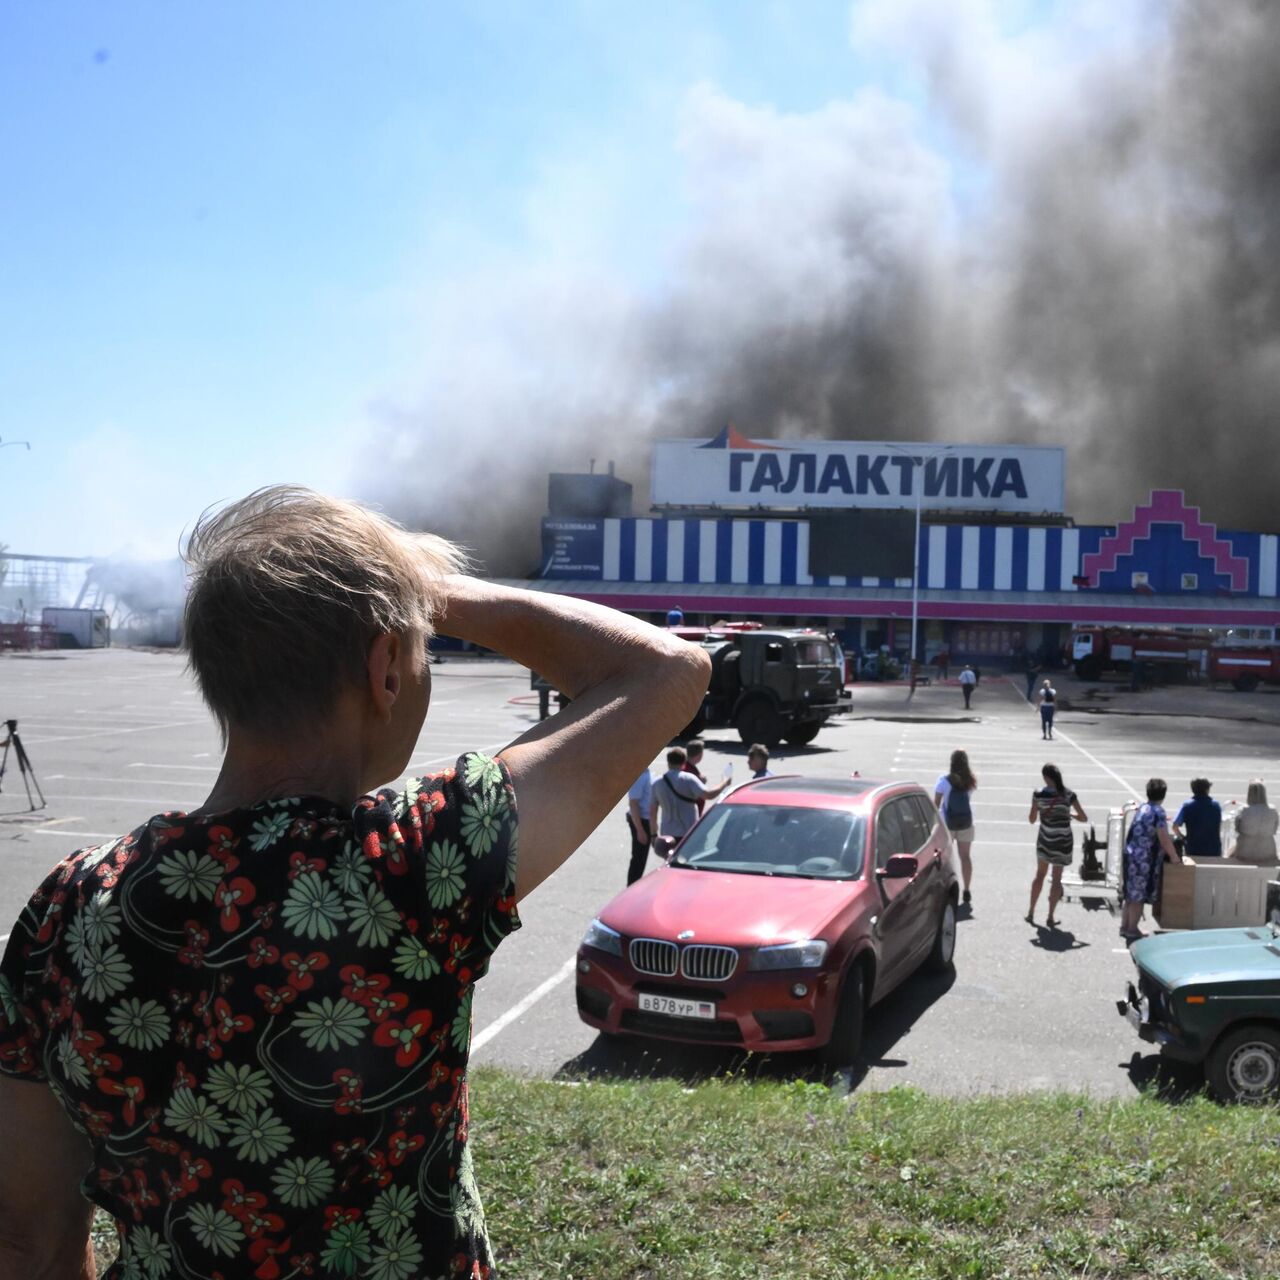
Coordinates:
(832, 534)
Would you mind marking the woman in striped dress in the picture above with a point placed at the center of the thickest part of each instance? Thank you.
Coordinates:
(1052, 807)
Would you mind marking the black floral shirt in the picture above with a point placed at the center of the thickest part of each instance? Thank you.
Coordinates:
(261, 1021)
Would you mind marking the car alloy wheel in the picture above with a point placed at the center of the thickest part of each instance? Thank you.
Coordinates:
(944, 941)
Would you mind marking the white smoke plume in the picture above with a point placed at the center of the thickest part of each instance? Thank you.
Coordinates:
(1064, 234)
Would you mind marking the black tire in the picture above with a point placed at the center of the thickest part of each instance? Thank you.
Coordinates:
(1246, 684)
(759, 721)
(695, 726)
(846, 1032)
(1244, 1066)
(1088, 668)
(941, 958)
(800, 735)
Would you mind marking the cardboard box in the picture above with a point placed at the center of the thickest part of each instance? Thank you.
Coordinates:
(1176, 907)
(1216, 893)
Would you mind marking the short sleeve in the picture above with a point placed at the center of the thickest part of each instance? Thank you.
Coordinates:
(20, 1030)
(468, 820)
(680, 784)
(1182, 814)
(942, 787)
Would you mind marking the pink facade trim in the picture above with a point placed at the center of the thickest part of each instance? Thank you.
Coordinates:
(1014, 610)
(1167, 506)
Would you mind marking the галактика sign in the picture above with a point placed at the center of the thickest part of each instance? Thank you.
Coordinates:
(733, 471)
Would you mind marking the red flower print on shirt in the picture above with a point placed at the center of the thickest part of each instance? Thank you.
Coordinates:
(190, 1170)
(265, 1252)
(130, 1089)
(228, 1023)
(229, 897)
(380, 1006)
(261, 952)
(404, 1036)
(401, 1144)
(299, 862)
(301, 968)
(275, 998)
(360, 986)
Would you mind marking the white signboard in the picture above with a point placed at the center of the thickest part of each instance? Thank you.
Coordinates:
(732, 471)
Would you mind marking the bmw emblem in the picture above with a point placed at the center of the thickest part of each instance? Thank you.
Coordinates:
(684, 935)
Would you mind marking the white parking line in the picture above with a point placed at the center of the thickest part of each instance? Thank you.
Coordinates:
(110, 733)
(453, 755)
(136, 781)
(148, 800)
(88, 835)
(194, 768)
(523, 1006)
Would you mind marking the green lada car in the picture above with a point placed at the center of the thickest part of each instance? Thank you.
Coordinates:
(1212, 996)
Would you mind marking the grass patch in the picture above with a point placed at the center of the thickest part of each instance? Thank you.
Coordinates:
(739, 1180)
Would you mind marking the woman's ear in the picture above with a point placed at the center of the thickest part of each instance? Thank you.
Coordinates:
(386, 656)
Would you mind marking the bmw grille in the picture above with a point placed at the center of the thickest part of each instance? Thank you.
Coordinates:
(698, 961)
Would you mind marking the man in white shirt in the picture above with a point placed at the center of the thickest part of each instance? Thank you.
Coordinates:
(968, 678)
(674, 807)
(639, 802)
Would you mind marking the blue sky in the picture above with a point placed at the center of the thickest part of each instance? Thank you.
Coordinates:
(231, 234)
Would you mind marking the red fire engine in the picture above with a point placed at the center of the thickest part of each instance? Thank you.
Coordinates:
(1245, 667)
(1098, 649)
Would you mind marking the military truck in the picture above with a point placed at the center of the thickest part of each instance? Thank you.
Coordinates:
(772, 684)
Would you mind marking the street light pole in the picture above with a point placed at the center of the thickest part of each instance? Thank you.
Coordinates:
(917, 483)
(917, 478)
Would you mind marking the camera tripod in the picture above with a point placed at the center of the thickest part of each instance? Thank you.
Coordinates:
(24, 764)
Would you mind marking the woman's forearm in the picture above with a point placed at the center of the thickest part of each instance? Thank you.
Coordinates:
(571, 643)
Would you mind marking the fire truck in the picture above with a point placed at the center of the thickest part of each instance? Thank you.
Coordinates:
(1245, 667)
(1174, 654)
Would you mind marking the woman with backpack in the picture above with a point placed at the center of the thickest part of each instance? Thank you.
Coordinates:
(1053, 806)
(1048, 701)
(951, 796)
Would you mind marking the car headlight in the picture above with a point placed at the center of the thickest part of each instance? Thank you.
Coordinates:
(791, 955)
(603, 938)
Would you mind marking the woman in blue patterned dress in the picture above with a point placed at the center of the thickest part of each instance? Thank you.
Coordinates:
(244, 1031)
(1146, 848)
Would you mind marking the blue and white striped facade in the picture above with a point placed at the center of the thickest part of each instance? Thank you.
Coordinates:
(953, 558)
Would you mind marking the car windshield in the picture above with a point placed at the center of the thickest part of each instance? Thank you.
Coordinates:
(814, 653)
(776, 840)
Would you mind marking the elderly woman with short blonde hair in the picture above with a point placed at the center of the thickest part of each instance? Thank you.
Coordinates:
(1256, 826)
(243, 1031)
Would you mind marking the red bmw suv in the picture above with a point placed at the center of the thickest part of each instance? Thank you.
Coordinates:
(788, 910)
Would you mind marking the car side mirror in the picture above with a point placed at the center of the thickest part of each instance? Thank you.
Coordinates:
(902, 866)
(664, 846)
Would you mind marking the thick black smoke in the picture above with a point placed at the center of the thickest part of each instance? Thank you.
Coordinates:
(1076, 242)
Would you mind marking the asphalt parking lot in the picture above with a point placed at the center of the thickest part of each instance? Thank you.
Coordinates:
(116, 735)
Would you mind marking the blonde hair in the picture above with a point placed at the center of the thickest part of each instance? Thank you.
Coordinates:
(1257, 793)
(288, 588)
